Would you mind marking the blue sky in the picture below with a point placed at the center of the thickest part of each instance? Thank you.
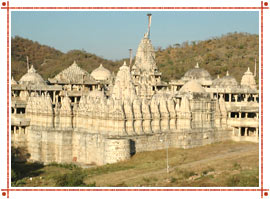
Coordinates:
(111, 34)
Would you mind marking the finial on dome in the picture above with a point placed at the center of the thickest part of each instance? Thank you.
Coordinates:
(218, 76)
(124, 63)
(100, 65)
(227, 74)
(74, 62)
(248, 70)
(197, 65)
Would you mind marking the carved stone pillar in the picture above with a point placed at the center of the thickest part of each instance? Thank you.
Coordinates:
(246, 131)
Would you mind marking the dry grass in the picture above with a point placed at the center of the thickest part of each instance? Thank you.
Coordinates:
(220, 164)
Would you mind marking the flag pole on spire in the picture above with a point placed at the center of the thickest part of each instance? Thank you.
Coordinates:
(149, 23)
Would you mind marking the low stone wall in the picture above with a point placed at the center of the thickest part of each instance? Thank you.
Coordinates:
(184, 139)
(84, 148)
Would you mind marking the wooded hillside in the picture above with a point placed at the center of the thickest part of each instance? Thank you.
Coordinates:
(234, 52)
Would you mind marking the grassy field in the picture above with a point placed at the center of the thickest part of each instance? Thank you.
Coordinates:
(228, 164)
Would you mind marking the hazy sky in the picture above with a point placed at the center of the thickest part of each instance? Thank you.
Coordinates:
(110, 34)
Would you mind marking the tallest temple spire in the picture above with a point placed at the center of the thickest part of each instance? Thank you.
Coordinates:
(149, 24)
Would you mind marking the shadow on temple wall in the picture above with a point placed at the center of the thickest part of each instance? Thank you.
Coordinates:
(20, 168)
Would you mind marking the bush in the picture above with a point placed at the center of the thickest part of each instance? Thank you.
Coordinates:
(236, 166)
(173, 180)
(18, 183)
(74, 179)
(206, 171)
(64, 165)
(248, 178)
(186, 174)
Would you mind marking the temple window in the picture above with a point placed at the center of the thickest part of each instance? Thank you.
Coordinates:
(227, 98)
(20, 110)
(233, 98)
(252, 115)
(234, 115)
(257, 99)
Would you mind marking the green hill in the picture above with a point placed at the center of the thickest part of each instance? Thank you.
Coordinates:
(234, 52)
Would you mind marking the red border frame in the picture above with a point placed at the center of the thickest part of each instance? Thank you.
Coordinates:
(261, 8)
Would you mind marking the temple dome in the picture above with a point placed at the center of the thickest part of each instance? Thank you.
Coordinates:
(72, 75)
(225, 82)
(101, 73)
(197, 73)
(248, 80)
(32, 77)
(216, 81)
(192, 86)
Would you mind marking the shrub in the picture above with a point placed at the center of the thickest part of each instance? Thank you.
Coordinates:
(236, 166)
(186, 174)
(74, 179)
(18, 183)
(248, 178)
(173, 180)
(206, 171)
(64, 165)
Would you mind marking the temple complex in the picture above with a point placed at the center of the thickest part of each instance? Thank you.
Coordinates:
(97, 118)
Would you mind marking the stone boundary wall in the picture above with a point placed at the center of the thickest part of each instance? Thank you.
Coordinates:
(50, 145)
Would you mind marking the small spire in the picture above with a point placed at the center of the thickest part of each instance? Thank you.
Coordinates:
(124, 63)
(227, 73)
(197, 65)
(101, 66)
(248, 70)
(218, 76)
(74, 62)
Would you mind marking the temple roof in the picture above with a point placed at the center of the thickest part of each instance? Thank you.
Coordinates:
(248, 80)
(32, 78)
(192, 86)
(73, 74)
(123, 87)
(145, 56)
(226, 81)
(198, 74)
(101, 73)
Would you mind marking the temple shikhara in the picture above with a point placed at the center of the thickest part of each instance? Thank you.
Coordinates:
(99, 118)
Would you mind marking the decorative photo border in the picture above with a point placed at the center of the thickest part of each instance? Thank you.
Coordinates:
(6, 6)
